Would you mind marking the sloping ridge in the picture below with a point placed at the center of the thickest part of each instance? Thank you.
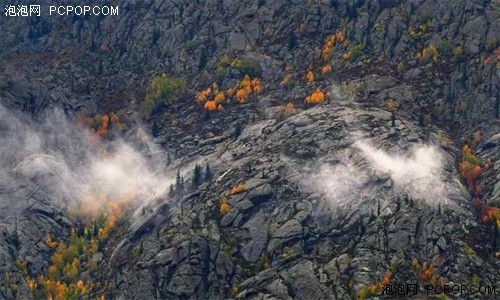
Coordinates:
(318, 216)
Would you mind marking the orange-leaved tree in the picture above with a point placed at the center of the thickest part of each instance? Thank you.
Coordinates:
(219, 97)
(103, 128)
(238, 189)
(310, 76)
(224, 208)
(290, 108)
(330, 43)
(317, 97)
(376, 288)
(391, 105)
(470, 167)
(210, 105)
(326, 69)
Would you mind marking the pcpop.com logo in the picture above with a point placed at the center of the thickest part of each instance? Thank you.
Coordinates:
(83, 10)
(22, 10)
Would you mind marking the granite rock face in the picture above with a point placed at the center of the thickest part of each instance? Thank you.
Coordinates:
(104, 63)
(305, 238)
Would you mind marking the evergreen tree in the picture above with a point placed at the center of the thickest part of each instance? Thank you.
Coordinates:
(169, 159)
(100, 70)
(203, 60)
(155, 130)
(181, 189)
(197, 180)
(171, 191)
(292, 40)
(497, 107)
(208, 173)
(156, 36)
(178, 183)
(237, 130)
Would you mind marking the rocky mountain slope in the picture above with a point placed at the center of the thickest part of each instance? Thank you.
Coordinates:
(320, 200)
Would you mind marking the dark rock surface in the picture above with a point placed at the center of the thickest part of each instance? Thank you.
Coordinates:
(325, 244)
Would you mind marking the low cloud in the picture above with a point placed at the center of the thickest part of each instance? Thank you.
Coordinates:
(58, 154)
(363, 172)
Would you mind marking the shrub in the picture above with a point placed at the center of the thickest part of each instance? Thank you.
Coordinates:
(286, 79)
(458, 53)
(49, 242)
(248, 67)
(356, 51)
(22, 265)
(430, 52)
(401, 67)
(264, 261)
(426, 273)
(492, 43)
(162, 90)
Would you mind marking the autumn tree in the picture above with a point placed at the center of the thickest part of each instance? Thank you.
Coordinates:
(219, 97)
(203, 95)
(391, 105)
(224, 208)
(290, 109)
(238, 189)
(210, 105)
(471, 169)
(310, 76)
(317, 97)
(49, 242)
(115, 122)
(330, 42)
